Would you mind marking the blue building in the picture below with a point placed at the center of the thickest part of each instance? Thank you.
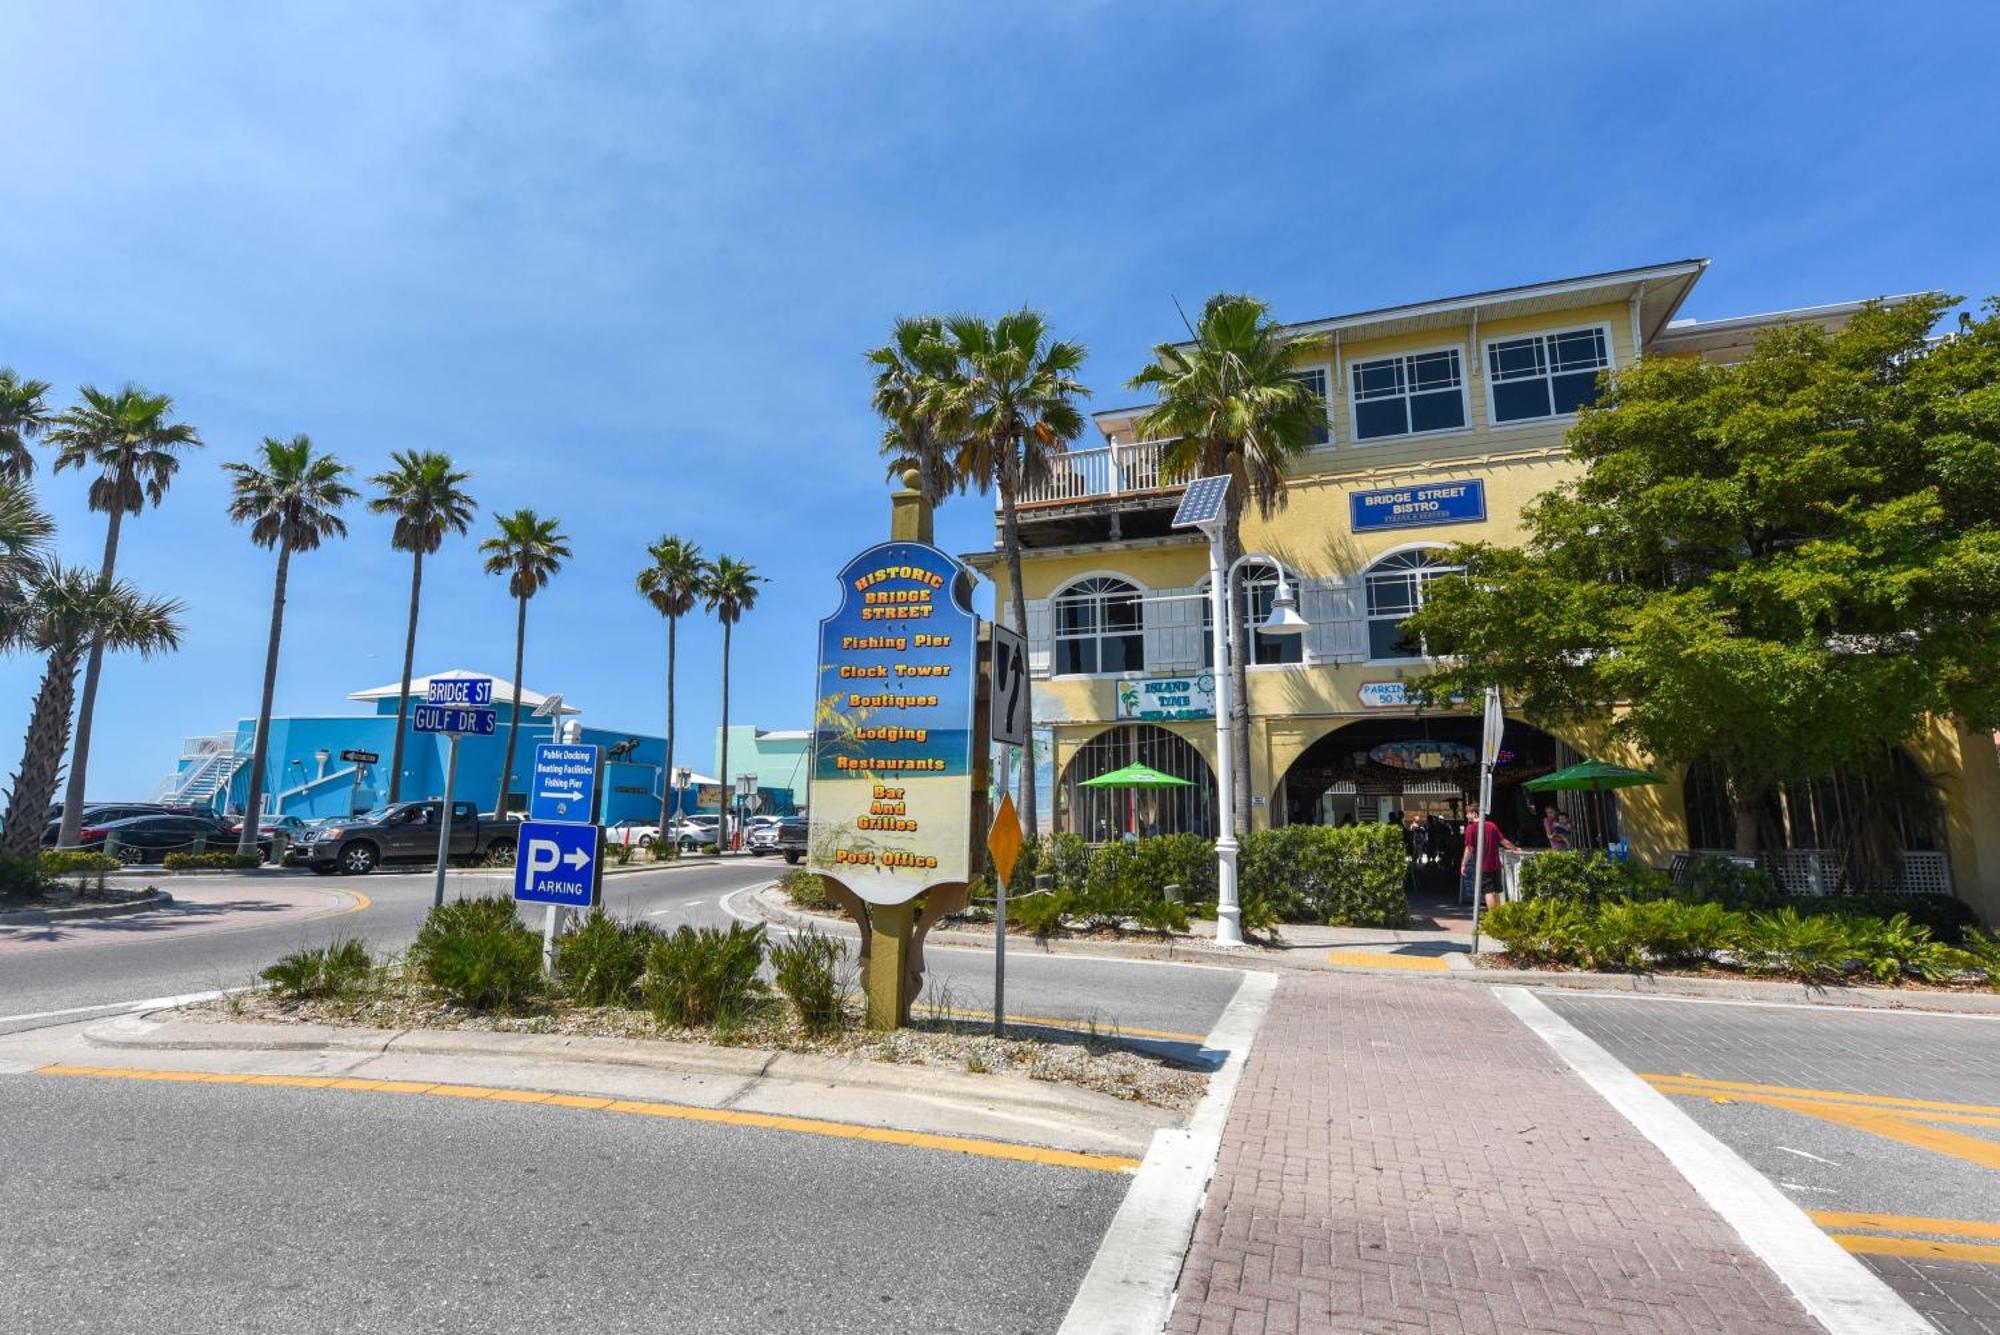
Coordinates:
(305, 774)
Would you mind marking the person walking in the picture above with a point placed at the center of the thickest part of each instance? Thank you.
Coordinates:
(1489, 865)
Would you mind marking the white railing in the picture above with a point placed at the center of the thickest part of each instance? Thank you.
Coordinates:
(1109, 470)
(1816, 871)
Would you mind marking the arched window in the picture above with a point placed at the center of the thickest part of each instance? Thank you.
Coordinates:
(1099, 627)
(1256, 590)
(1104, 814)
(1396, 585)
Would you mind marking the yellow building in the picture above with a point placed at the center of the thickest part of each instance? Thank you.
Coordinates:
(1444, 418)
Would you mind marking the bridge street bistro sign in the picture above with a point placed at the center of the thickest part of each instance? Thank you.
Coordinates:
(893, 725)
(1418, 507)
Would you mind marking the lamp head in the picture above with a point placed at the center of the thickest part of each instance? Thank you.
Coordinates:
(1284, 618)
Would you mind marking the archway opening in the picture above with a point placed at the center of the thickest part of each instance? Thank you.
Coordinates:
(1104, 814)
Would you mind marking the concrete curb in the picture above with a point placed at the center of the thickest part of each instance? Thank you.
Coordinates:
(1129, 1289)
(157, 899)
(1069, 1114)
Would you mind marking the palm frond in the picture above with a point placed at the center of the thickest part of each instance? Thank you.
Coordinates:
(289, 495)
(673, 577)
(426, 493)
(129, 437)
(528, 549)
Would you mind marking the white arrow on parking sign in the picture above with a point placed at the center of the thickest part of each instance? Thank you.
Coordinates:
(577, 858)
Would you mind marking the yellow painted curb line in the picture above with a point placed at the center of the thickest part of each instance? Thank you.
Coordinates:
(991, 1149)
(1904, 1223)
(1370, 959)
(1917, 1247)
(1108, 1029)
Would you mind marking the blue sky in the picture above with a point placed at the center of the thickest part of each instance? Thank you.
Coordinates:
(622, 261)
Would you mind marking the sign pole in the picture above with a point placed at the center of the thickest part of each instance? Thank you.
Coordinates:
(444, 831)
(551, 927)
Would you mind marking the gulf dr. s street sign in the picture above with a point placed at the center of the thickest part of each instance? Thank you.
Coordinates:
(452, 718)
(556, 864)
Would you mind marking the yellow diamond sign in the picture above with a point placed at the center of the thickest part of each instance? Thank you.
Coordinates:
(1004, 843)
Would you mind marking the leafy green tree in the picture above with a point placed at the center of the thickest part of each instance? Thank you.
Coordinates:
(24, 412)
(131, 441)
(62, 612)
(674, 576)
(529, 550)
(1785, 566)
(908, 372)
(729, 591)
(427, 496)
(291, 498)
(24, 538)
(998, 399)
(1231, 403)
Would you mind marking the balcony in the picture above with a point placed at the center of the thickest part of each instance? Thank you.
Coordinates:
(1107, 472)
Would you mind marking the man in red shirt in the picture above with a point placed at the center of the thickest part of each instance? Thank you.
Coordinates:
(1489, 866)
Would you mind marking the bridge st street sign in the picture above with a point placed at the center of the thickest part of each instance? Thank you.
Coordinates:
(473, 692)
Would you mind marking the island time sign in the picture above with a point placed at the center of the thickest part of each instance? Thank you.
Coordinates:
(893, 726)
(1418, 507)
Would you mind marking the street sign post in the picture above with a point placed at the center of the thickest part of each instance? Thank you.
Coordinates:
(1004, 843)
(456, 707)
(564, 784)
(361, 760)
(1010, 686)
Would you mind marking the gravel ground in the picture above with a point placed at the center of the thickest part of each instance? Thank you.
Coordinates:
(1096, 1060)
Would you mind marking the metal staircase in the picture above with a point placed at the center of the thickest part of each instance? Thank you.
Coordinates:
(215, 761)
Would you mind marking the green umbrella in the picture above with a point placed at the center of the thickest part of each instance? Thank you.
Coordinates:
(1136, 775)
(1592, 776)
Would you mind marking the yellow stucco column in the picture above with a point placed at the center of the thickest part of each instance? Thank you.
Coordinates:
(886, 971)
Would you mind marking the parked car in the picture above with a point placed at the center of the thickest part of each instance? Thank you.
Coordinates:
(103, 813)
(292, 826)
(633, 832)
(150, 837)
(793, 831)
(760, 834)
(691, 832)
(403, 832)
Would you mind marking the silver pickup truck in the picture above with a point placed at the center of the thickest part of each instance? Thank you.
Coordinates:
(405, 832)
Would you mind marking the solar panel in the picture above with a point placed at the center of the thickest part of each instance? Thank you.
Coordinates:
(1201, 503)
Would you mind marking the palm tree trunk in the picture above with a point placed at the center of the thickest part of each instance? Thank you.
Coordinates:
(1239, 674)
(667, 812)
(1010, 540)
(409, 660)
(79, 763)
(514, 722)
(722, 758)
(259, 749)
(41, 757)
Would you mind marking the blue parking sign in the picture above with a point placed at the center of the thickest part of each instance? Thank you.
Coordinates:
(556, 864)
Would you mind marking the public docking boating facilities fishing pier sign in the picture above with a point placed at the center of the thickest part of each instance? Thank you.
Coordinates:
(894, 727)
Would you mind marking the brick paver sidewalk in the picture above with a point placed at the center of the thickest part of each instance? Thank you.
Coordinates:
(1407, 1156)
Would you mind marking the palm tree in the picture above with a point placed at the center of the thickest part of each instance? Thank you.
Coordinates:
(907, 370)
(729, 591)
(1232, 402)
(24, 411)
(1009, 406)
(24, 536)
(427, 496)
(63, 612)
(528, 551)
(674, 579)
(291, 498)
(129, 439)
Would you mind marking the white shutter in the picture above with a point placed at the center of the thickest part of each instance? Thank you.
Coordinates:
(1041, 637)
(1173, 630)
(1339, 631)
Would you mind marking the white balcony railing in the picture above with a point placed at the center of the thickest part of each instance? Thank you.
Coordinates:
(1109, 470)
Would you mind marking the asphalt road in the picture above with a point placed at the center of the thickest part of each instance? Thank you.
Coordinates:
(205, 1208)
(114, 962)
(1883, 1125)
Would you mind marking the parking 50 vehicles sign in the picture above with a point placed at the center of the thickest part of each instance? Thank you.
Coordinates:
(893, 725)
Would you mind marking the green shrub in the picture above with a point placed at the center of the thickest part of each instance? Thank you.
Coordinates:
(1888, 948)
(486, 969)
(1259, 918)
(185, 861)
(709, 849)
(23, 878)
(1350, 875)
(1715, 879)
(1812, 948)
(1573, 878)
(1066, 859)
(1946, 916)
(1041, 914)
(68, 862)
(811, 970)
(1162, 915)
(1541, 931)
(698, 976)
(1982, 951)
(619, 853)
(326, 971)
(665, 850)
(457, 917)
(1185, 860)
(1111, 889)
(808, 890)
(599, 964)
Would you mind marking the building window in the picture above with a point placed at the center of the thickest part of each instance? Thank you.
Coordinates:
(1102, 815)
(1099, 628)
(1401, 396)
(1256, 590)
(1396, 586)
(1314, 378)
(1546, 375)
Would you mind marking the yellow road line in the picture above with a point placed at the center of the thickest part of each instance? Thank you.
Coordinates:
(1832, 1095)
(810, 1126)
(1109, 1028)
(1904, 1223)
(1918, 1247)
(1370, 959)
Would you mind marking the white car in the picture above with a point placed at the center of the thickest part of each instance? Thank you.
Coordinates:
(760, 834)
(632, 833)
(691, 832)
